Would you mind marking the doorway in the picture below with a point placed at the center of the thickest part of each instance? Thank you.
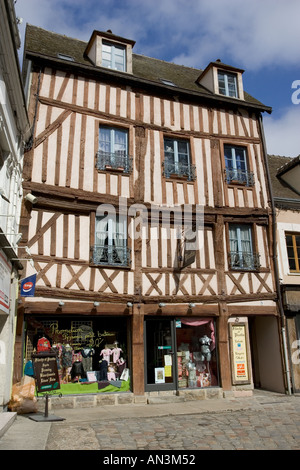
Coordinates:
(160, 354)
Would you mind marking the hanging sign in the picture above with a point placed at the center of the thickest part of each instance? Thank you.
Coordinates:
(45, 372)
(28, 286)
(239, 354)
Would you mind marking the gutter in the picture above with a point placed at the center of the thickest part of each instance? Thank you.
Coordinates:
(274, 231)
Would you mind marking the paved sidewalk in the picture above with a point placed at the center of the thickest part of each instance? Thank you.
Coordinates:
(264, 421)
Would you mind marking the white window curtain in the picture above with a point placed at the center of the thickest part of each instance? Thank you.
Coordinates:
(113, 144)
(111, 235)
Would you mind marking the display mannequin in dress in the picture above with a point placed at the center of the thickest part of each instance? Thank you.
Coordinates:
(105, 353)
(116, 352)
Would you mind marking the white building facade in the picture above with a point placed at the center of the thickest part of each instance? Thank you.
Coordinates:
(14, 132)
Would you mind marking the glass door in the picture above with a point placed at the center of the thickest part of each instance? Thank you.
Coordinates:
(160, 354)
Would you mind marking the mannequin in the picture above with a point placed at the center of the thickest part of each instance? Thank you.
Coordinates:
(105, 353)
(116, 352)
(205, 348)
(87, 358)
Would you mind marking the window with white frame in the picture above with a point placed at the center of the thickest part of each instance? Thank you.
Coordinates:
(236, 165)
(227, 84)
(111, 241)
(114, 56)
(113, 149)
(177, 159)
(241, 248)
(293, 251)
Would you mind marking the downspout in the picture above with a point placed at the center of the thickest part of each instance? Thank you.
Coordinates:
(274, 231)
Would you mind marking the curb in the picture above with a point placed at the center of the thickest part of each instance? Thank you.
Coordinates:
(6, 420)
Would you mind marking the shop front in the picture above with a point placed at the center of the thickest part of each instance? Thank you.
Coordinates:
(92, 353)
(180, 353)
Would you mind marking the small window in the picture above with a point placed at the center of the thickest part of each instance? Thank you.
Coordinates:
(167, 82)
(227, 84)
(293, 251)
(113, 150)
(177, 159)
(65, 57)
(236, 165)
(111, 241)
(114, 56)
(241, 253)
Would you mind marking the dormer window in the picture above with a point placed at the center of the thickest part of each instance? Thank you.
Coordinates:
(223, 80)
(227, 84)
(114, 56)
(105, 49)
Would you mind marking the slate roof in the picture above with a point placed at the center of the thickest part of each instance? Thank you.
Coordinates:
(43, 43)
(281, 190)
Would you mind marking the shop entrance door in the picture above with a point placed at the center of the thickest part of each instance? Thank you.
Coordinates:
(160, 354)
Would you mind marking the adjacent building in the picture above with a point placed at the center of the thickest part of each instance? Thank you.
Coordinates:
(151, 223)
(14, 133)
(286, 192)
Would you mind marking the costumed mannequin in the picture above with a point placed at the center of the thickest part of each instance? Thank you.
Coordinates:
(66, 361)
(102, 373)
(77, 371)
(43, 345)
(105, 353)
(116, 352)
(205, 348)
(111, 375)
(87, 358)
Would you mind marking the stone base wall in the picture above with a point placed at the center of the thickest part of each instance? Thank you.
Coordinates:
(128, 398)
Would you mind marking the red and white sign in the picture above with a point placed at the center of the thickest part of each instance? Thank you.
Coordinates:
(5, 273)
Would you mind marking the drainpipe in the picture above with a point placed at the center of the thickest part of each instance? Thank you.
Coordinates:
(274, 230)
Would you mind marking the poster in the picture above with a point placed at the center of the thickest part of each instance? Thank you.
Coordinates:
(5, 272)
(239, 353)
(159, 375)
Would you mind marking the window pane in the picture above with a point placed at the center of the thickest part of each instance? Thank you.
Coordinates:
(222, 88)
(105, 139)
(232, 85)
(292, 264)
(169, 150)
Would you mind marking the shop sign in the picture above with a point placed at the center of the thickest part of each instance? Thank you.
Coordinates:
(239, 353)
(45, 372)
(5, 273)
(28, 286)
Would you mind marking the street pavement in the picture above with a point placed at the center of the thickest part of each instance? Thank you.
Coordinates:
(265, 421)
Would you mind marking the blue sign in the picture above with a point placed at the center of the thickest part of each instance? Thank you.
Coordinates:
(28, 286)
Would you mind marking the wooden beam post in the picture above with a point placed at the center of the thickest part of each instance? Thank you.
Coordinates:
(223, 345)
(138, 350)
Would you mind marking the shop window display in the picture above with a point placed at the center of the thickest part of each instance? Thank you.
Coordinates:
(196, 353)
(91, 356)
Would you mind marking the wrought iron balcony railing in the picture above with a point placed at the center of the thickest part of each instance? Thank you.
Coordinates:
(239, 176)
(181, 170)
(116, 161)
(241, 260)
(111, 255)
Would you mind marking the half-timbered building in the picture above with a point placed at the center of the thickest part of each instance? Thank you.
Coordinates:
(130, 158)
(284, 172)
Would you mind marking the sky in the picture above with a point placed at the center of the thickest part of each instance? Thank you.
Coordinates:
(260, 36)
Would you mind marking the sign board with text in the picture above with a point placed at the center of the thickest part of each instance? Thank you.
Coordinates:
(46, 372)
(239, 353)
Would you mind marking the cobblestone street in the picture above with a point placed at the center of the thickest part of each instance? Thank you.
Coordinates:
(275, 427)
(266, 421)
